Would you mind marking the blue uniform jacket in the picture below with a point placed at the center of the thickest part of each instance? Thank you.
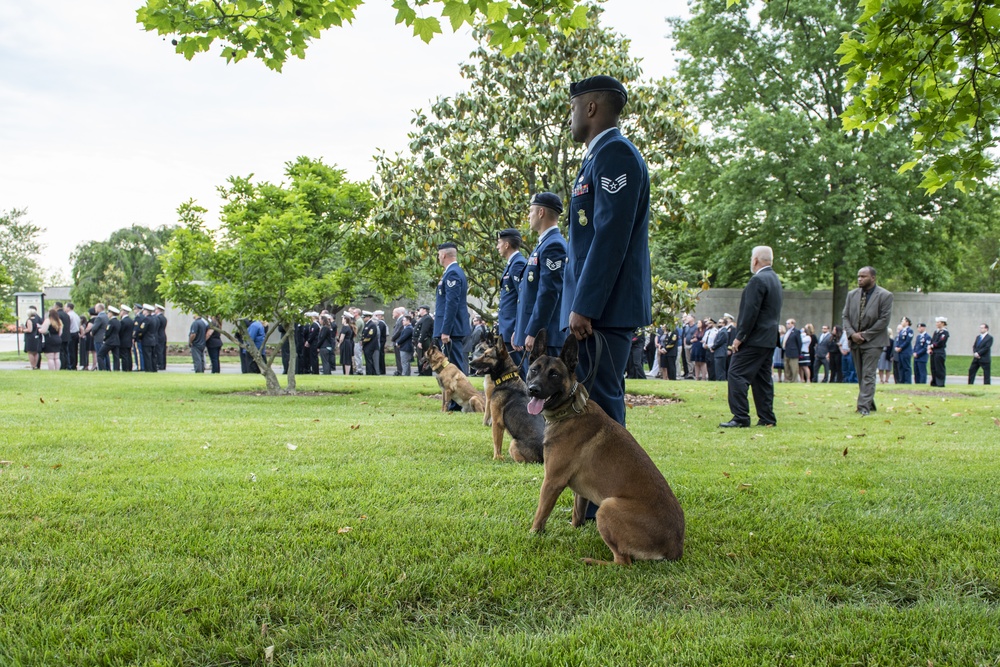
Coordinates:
(542, 290)
(509, 285)
(451, 311)
(608, 277)
(921, 342)
(904, 341)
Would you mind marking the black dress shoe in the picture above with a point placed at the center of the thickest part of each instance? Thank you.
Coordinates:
(863, 412)
(732, 423)
(761, 422)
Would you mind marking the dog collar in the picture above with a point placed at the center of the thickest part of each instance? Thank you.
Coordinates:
(575, 406)
(509, 376)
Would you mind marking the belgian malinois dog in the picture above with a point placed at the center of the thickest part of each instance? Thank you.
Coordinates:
(454, 385)
(638, 515)
(507, 404)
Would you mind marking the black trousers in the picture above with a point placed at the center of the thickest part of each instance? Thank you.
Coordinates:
(125, 353)
(74, 351)
(976, 365)
(720, 368)
(670, 363)
(213, 356)
(938, 368)
(149, 358)
(64, 356)
(751, 368)
(371, 359)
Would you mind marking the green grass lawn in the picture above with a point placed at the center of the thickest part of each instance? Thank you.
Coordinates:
(164, 520)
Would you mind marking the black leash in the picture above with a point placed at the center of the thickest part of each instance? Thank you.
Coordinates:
(599, 342)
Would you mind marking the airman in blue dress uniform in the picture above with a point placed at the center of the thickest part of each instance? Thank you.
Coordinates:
(542, 280)
(921, 343)
(607, 286)
(451, 310)
(509, 247)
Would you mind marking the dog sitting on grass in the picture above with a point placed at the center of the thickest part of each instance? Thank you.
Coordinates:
(454, 385)
(638, 515)
(507, 404)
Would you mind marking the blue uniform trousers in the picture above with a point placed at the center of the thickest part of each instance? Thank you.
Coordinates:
(905, 372)
(456, 353)
(920, 370)
(608, 389)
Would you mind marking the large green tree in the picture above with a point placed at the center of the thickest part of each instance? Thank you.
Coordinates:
(282, 249)
(129, 260)
(19, 247)
(475, 159)
(934, 65)
(6, 314)
(778, 168)
(271, 30)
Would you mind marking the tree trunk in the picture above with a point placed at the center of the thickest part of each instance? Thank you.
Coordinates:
(840, 289)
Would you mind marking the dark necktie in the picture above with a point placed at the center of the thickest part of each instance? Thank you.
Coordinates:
(864, 300)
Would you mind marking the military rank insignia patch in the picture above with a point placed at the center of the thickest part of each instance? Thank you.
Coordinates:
(613, 185)
(452, 283)
(553, 266)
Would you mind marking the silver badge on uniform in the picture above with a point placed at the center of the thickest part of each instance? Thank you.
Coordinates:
(582, 217)
(531, 277)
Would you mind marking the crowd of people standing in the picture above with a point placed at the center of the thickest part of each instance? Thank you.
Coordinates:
(105, 338)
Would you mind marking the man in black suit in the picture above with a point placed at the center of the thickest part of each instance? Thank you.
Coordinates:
(753, 344)
(981, 353)
(939, 352)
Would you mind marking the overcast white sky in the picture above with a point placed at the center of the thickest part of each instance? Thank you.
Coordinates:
(103, 126)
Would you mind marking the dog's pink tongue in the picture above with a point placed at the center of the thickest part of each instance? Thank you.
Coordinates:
(535, 406)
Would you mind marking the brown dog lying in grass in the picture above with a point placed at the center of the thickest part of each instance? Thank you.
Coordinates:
(638, 515)
(454, 385)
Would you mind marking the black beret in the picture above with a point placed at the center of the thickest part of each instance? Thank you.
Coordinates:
(445, 246)
(508, 234)
(427, 308)
(597, 83)
(548, 200)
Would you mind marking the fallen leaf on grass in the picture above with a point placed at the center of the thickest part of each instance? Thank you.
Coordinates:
(862, 492)
(850, 437)
(996, 421)
(928, 423)
(744, 487)
(6, 463)
(345, 529)
(263, 629)
(363, 517)
(355, 427)
(269, 654)
(41, 399)
(725, 474)
(315, 420)
(845, 451)
(731, 554)
(291, 447)
(956, 414)
(809, 472)
(363, 403)
(253, 477)
(57, 466)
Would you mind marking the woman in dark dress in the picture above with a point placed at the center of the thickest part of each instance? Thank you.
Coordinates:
(346, 344)
(213, 343)
(51, 329)
(33, 339)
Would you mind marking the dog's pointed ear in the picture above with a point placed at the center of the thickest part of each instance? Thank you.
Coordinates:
(501, 348)
(570, 354)
(540, 346)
